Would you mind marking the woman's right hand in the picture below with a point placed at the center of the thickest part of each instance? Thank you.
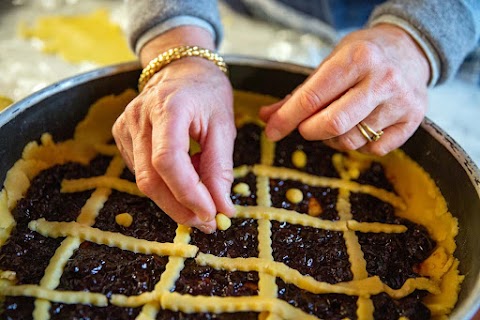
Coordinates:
(189, 98)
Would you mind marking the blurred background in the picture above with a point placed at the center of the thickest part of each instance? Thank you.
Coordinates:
(44, 41)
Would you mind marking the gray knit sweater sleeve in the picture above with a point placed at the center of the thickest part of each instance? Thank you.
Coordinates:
(452, 27)
(146, 18)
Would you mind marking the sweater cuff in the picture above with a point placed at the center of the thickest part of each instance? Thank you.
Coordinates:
(170, 24)
(423, 43)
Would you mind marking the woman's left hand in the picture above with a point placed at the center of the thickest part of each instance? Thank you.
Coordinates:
(377, 76)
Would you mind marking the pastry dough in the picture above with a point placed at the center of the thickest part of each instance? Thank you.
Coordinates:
(90, 37)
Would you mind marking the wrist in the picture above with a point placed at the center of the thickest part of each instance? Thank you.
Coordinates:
(180, 36)
(174, 55)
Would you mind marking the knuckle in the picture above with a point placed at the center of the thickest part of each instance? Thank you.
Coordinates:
(177, 98)
(130, 116)
(163, 160)
(309, 101)
(392, 78)
(336, 124)
(167, 106)
(391, 84)
(121, 135)
(365, 52)
(133, 113)
(118, 126)
(144, 182)
(159, 111)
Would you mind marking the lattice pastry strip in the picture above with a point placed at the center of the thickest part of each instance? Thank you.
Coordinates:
(122, 185)
(317, 181)
(358, 264)
(361, 287)
(112, 239)
(267, 286)
(292, 217)
(189, 304)
(72, 297)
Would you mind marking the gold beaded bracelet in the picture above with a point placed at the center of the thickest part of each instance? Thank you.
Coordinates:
(178, 53)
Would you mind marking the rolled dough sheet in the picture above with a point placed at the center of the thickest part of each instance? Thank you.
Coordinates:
(91, 37)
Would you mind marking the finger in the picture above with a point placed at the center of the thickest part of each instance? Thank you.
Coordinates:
(396, 123)
(216, 163)
(385, 115)
(127, 156)
(351, 140)
(123, 141)
(393, 137)
(342, 115)
(171, 160)
(330, 81)
(151, 184)
(266, 111)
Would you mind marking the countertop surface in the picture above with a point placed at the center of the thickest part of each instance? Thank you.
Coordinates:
(455, 106)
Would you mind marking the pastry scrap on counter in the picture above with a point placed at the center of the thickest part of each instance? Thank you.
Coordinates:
(79, 38)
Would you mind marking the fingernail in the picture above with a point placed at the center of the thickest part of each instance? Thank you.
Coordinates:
(273, 134)
(230, 213)
(228, 200)
(205, 229)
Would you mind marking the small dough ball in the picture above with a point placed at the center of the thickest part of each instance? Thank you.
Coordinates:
(299, 159)
(294, 195)
(124, 219)
(223, 222)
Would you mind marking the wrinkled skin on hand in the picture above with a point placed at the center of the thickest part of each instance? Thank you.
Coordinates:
(376, 75)
(190, 97)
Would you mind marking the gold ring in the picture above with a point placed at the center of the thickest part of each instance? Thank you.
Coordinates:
(369, 133)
